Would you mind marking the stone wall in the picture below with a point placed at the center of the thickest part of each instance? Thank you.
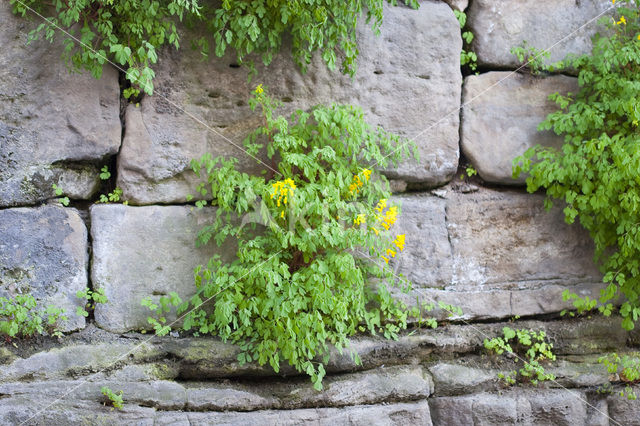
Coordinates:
(480, 243)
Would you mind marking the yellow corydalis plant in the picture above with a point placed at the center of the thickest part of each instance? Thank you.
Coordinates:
(359, 182)
(283, 190)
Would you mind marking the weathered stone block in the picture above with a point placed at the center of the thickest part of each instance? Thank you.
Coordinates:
(43, 252)
(499, 25)
(408, 81)
(493, 253)
(144, 251)
(501, 120)
(54, 125)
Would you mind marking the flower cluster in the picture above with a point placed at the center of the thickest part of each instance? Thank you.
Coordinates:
(399, 243)
(358, 182)
(283, 190)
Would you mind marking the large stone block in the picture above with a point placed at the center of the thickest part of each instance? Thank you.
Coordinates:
(493, 253)
(54, 125)
(144, 251)
(43, 252)
(408, 81)
(502, 118)
(562, 26)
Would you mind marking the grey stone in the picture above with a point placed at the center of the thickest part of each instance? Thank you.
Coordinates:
(460, 5)
(382, 385)
(48, 410)
(501, 120)
(499, 25)
(516, 406)
(54, 125)
(75, 360)
(623, 410)
(453, 411)
(408, 81)
(493, 253)
(427, 259)
(456, 379)
(143, 252)
(557, 407)
(43, 252)
(414, 413)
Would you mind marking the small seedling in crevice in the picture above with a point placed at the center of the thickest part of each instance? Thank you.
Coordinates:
(59, 191)
(104, 173)
(92, 299)
(115, 398)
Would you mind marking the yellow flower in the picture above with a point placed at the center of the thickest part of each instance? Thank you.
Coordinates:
(282, 214)
(359, 219)
(622, 21)
(375, 230)
(381, 205)
(386, 259)
(259, 89)
(366, 173)
(399, 241)
(391, 252)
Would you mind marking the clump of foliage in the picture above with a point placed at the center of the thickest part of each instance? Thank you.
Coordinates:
(527, 346)
(468, 58)
(311, 235)
(114, 398)
(91, 298)
(20, 317)
(597, 170)
(129, 32)
(626, 368)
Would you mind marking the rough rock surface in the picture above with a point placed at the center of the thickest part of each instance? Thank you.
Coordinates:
(144, 251)
(54, 125)
(460, 5)
(557, 407)
(43, 252)
(494, 253)
(408, 80)
(502, 118)
(499, 25)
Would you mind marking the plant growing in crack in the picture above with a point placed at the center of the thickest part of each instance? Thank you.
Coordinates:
(312, 264)
(527, 346)
(114, 399)
(21, 317)
(91, 298)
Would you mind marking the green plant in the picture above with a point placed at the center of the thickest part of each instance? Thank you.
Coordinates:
(105, 174)
(597, 171)
(92, 298)
(59, 191)
(19, 317)
(112, 197)
(468, 58)
(626, 369)
(526, 346)
(129, 32)
(114, 398)
(311, 234)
